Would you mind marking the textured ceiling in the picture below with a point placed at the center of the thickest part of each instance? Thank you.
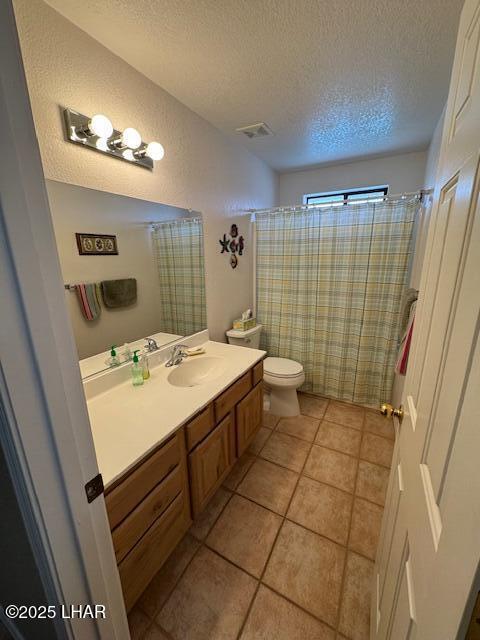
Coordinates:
(335, 80)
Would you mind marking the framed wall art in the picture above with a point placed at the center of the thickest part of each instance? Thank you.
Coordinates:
(96, 244)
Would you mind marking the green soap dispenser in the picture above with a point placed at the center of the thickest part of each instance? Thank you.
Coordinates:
(114, 360)
(137, 370)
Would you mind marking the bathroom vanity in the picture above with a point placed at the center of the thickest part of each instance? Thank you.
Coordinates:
(166, 448)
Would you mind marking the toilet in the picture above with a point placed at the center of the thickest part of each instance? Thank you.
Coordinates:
(281, 376)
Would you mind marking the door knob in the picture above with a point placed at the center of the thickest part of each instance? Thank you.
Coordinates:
(387, 410)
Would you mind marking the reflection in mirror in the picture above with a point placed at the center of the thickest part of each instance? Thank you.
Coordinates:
(154, 287)
(178, 251)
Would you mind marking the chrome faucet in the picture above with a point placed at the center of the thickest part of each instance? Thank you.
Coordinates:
(151, 345)
(177, 355)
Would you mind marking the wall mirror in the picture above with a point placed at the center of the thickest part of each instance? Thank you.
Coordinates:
(135, 272)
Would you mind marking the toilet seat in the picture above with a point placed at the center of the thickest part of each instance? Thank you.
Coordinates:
(282, 368)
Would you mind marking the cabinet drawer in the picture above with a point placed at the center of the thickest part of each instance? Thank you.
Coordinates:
(147, 557)
(257, 373)
(232, 395)
(209, 464)
(249, 417)
(199, 427)
(129, 532)
(121, 500)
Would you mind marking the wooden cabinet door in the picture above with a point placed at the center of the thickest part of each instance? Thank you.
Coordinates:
(209, 464)
(249, 417)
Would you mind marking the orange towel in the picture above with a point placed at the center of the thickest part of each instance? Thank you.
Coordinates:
(404, 351)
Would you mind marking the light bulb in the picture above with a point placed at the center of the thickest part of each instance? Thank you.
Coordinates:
(155, 151)
(128, 155)
(100, 126)
(131, 138)
(102, 144)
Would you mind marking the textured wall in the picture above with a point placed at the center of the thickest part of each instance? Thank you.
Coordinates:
(201, 170)
(402, 173)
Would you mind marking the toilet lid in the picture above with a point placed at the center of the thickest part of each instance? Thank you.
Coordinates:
(238, 333)
(282, 367)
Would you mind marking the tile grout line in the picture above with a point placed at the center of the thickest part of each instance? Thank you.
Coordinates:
(382, 466)
(299, 524)
(267, 586)
(277, 464)
(338, 424)
(284, 518)
(347, 403)
(342, 584)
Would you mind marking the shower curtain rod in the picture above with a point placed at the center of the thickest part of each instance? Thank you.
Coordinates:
(305, 207)
(160, 222)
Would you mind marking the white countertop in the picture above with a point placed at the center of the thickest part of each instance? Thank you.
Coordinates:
(128, 422)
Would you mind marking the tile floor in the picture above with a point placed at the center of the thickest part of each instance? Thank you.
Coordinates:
(285, 549)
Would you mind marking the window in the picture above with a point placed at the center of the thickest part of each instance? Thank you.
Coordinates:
(346, 196)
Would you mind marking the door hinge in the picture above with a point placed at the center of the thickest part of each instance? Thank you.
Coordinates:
(94, 488)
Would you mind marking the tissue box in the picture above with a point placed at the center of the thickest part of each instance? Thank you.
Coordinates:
(244, 325)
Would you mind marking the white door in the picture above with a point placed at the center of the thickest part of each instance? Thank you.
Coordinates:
(429, 548)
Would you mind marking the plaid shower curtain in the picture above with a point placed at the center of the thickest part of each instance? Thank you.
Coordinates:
(329, 286)
(178, 253)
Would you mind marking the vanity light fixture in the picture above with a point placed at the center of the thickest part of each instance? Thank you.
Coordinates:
(98, 133)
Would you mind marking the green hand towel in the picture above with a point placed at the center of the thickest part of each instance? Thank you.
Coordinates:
(119, 293)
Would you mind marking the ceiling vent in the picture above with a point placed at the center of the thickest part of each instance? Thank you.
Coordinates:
(258, 130)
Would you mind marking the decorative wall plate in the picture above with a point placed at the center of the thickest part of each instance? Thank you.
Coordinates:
(233, 244)
(94, 244)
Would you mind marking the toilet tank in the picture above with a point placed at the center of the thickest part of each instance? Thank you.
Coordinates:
(249, 338)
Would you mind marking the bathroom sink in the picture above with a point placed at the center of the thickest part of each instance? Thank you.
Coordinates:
(192, 373)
